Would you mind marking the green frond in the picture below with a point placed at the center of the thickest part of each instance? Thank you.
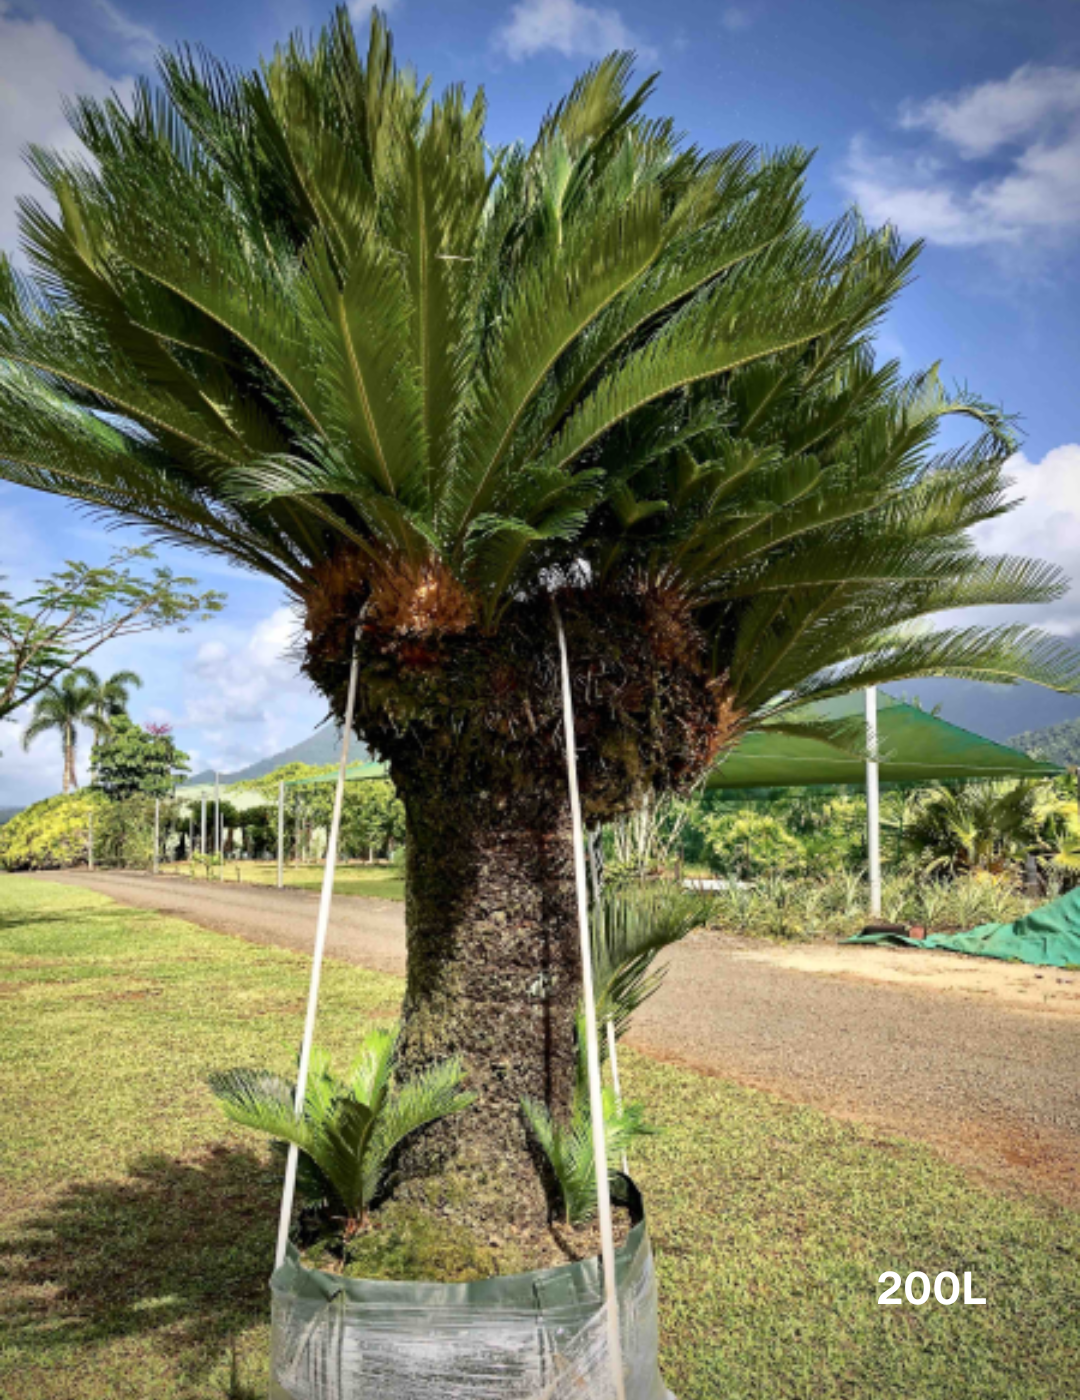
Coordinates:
(263, 1101)
(304, 312)
(348, 1128)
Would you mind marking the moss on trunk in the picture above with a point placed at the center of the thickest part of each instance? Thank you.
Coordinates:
(470, 718)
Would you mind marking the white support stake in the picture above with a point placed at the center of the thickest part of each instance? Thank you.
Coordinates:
(281, 835)
(325, 900)
(90, 841)
(157, 831)
(592, 1047)
(202, 841)
(873, 811)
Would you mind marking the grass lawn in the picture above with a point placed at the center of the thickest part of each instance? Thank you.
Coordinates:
(136, 1227)
(370, 881)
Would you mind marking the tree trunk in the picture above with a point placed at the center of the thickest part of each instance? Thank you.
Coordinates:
(70, 781)
(494, 976)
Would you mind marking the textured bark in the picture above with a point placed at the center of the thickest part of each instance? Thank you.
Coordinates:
(470, 719)
(71, 780)
(494, 976)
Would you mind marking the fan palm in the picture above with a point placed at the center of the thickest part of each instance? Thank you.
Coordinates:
(980, 826)
(306, 319)
(62, 707)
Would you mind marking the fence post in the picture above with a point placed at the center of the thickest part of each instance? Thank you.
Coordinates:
(157, 831)
(281, 834)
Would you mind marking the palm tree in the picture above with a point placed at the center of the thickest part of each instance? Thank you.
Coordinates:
(110, 696)
(63, 706)
(304, 318)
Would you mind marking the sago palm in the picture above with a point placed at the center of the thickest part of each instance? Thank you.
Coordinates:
(62, 707)
(305, 318)
(348, 1128)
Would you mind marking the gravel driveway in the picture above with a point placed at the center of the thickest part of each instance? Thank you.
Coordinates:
(991, 1083)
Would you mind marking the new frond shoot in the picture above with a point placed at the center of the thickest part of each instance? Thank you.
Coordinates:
(569, 1150)
(349, 1127)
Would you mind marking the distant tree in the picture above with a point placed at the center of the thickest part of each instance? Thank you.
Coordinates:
(110, 698)
(131, 761)
(79, 608)
(63, 706)
(372, 818)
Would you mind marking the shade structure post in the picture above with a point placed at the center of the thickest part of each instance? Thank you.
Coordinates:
(326, 897)
(219, 828)
(281, 834)
(90, 841)
(873, 810)
(592, 1047)
(157, 831)
(202, 834)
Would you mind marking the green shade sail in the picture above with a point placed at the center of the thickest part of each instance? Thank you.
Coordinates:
(353, 773)
(913, 748)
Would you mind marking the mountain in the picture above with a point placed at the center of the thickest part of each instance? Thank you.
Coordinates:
(324, 746)
(995, 711)
(1060, 743)
(6, 813)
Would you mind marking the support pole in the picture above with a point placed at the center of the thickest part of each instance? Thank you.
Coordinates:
(323, 923)
(219, 830)
(157, 831)
(592, 1047)
(90, 841)
(609, 1025)
(202, 839)
(281, 834)
(873, 811)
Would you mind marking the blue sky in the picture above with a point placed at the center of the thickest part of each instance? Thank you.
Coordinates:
(957, 119)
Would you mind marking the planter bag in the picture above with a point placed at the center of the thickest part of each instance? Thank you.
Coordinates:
(538, 1336)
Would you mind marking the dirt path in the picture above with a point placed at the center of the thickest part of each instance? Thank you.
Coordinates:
(981, 1060)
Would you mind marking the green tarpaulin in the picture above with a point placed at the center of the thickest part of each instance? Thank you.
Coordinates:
(913, 747)
(1047, 937)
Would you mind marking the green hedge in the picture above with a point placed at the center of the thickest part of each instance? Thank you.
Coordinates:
(48, 835)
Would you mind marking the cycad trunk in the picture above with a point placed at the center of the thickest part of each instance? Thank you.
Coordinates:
(495, 977)
(471, 723)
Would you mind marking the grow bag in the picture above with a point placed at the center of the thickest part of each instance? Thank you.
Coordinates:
(537, 1336)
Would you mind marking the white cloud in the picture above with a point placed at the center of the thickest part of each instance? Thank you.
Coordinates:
(999, 166)
(736, 18)
(1031, 101)
(243, 697)
(1045, 526)
(566, 27)
(38, 63)
(139, 40)
(231, 696)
